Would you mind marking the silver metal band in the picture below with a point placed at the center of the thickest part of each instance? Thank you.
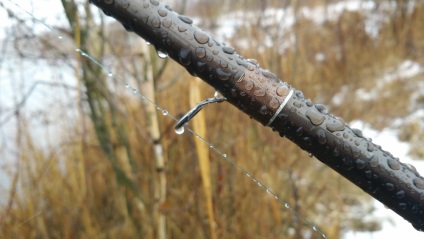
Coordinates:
(281, 107)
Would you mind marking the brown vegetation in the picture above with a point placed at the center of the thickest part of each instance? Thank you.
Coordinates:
(100, 179)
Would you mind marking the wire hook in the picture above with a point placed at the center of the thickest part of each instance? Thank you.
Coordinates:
(196, 109)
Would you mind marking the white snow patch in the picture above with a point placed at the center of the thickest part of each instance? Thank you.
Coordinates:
(393, 226)
(278, 23)
(405, 70)
(339, 97)
(320, 56)
(365, 95)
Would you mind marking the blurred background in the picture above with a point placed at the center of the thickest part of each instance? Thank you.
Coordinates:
(81, 156)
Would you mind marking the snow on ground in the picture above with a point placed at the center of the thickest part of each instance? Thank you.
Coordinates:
(279, 22)
(393, 225)
(405, 70)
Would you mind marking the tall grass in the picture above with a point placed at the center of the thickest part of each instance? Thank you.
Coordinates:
(71, 190)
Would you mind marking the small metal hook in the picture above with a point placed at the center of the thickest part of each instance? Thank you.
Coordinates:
(196, 109)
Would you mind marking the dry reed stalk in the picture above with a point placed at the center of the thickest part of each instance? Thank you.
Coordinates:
(199, 126)
(27, 157)
(81, 192)
(154, 133)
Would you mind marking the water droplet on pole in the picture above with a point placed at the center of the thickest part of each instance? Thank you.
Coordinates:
(162, 54)
(201, 37)
(179, 130)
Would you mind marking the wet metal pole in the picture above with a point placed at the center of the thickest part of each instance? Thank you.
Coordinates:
(264, 97)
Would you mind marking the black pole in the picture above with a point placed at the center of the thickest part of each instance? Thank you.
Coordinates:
(264, 97)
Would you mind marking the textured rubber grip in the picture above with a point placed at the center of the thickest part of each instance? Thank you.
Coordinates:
(264, 97)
